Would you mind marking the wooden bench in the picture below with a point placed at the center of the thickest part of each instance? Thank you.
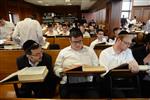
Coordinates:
(8, 60)
(64, 41)
(8, 66)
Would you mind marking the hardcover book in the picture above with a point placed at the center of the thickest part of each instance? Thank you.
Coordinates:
(28, 74)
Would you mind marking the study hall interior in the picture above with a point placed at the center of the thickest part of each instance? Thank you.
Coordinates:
(88, 16)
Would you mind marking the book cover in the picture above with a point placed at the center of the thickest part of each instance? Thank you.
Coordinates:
(73, 68)
(122, 66)
(33, 74)
(144, 67)
(13, 76)
(28, 74)
(87, 68)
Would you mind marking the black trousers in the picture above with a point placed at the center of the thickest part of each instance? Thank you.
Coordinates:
(85, 90)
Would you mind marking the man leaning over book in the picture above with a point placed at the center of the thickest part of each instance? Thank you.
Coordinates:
(34, 56)
(119, 54)
(76, 55)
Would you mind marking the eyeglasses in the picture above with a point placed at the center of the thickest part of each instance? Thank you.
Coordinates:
(77, 42)
(38, 54)
(127, 43)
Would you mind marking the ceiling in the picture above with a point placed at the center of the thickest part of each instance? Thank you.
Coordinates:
(85, 4)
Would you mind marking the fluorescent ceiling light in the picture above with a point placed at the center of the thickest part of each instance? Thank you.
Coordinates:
(40, 1)
(67, 0)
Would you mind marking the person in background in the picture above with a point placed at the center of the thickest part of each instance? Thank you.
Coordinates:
(84, 32)
(6, 29)
(147, 28)
(123, 22)
(50, 31)
(28, 29)
(116, 32)
(142, 56)
(130, 28)
(76, 55)
(34, 56)
(100, 38)
(64, 31)
(44, 27)
(134, 21)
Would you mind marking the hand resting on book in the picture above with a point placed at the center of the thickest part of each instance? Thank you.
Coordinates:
(133, 66)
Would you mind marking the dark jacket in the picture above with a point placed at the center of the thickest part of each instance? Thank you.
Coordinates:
(40, 89)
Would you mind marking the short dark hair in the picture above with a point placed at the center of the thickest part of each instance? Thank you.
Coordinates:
(99, 30)
(115, 29)
(75, 32)
(147, 38)
(30, 45)
(1, 17)
(123, 33)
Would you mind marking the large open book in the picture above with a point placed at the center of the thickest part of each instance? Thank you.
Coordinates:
(144, 67)
(122, 66)
(85, 68)
(28, 74)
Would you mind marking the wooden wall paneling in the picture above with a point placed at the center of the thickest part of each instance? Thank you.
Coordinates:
(146, 14)
(113, 13)
(137, 12)
(8, 61)
(4, 9)
(141, 12)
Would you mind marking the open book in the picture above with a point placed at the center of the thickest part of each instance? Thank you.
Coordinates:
(85, 68)
(28, 74)
(122, 66)
(45, 46)
(144, 67)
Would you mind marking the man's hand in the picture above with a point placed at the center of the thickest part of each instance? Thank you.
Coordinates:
(133, 66)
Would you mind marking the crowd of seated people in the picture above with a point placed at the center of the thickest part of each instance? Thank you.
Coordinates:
(77, 53)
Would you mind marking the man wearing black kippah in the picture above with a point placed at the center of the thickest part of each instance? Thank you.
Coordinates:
(34, 56)
(119, 54)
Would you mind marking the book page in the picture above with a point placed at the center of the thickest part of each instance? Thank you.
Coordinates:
(86, 68)
(144, 67)
(45, 46)
(33, 70)
(13, 74)
(33, 74)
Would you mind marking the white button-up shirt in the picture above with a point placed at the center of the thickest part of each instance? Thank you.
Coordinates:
(28, 29)
(69, 57)
(110, 59)
(97, 41)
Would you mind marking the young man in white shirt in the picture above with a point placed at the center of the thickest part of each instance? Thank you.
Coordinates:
(73, 55)
(119, 54)
(28, 29)
(100, 38)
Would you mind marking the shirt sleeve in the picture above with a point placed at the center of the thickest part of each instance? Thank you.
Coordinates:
(58, 64)
(104, 59)
(15, 35)
(94, 58)
(39, 33)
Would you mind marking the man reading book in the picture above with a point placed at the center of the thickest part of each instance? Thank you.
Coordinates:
(73, 56)
(119, 54)
(34, 56)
